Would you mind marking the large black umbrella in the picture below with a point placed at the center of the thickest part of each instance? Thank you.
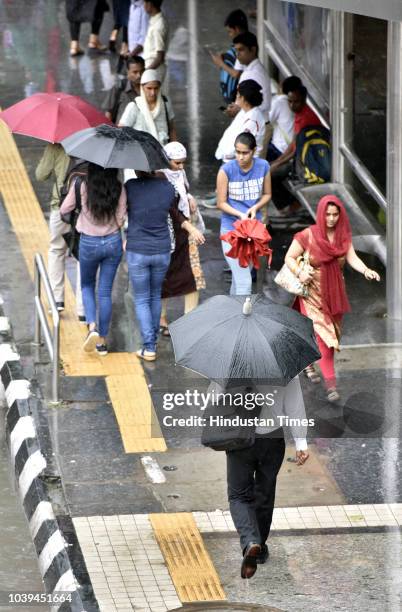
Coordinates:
(117, 147)
(244, 338)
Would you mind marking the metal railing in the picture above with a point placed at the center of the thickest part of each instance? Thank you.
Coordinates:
(52, 341)
(365, 177)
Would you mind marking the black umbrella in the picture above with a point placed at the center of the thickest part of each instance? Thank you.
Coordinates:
(244, 338)
(117, 147)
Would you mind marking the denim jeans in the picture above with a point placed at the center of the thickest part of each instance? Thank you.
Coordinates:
(103, 253)
(146, 274)
(241, 277)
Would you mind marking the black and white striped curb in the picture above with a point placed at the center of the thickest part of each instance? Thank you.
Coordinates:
(29, 464)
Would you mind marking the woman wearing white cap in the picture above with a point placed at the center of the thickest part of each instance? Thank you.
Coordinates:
(151, 111)
(184, 275)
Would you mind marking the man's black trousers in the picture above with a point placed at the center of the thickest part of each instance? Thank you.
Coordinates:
(251, 477)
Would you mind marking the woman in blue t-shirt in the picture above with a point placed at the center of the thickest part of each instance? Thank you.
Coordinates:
(243, 188)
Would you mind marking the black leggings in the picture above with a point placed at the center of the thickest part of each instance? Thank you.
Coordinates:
(117, 27)
(95, 25)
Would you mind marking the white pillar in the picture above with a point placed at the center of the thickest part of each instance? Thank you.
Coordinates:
(341, 90)
(394, 171)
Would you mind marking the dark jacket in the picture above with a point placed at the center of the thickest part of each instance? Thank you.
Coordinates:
(117, 99)
(81, 11)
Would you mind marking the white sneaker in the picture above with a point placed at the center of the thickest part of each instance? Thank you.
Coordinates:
(91, 341)
(146, 355)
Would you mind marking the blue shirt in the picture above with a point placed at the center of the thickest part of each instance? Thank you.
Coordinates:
(244, 188)
(148, 204)
(227, 82)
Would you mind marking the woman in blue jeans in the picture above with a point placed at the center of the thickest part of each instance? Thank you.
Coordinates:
(243, 188)
(150, 199)
(103, 210)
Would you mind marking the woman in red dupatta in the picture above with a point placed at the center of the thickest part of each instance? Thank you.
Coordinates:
(328, 245)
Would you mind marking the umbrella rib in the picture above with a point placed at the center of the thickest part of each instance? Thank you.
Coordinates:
(110, 155)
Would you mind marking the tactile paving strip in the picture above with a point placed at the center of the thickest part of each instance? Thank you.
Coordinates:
(130, 394)
(188, 562)
(135, 414)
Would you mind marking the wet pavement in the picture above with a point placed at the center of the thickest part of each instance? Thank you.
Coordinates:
(356, 444)
(317, 573)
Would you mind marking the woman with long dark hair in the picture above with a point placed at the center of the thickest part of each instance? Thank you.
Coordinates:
(327, 245)
(103, 210)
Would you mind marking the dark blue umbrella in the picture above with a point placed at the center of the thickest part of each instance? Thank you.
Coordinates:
(117, 147)
(241, 338)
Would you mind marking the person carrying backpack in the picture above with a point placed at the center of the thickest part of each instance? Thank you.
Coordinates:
(125, 91)
(55, 162)
(102, 214)
(151, 111)
(283, 164)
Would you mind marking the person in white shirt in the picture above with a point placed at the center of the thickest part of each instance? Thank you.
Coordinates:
(249, 119)
(137, 27)
(282, 119)
(156, 40)
(151, 111)
(247, 60)
(252, 471)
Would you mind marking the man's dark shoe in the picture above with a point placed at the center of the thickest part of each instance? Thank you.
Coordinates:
(249, 563)
(264, 554)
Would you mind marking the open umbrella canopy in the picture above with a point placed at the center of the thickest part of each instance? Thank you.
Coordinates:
(51, 117)
(235, 338)
(117, 147)
(249, 241)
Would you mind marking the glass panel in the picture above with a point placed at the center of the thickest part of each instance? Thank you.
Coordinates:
(305, 31)
(370, 99)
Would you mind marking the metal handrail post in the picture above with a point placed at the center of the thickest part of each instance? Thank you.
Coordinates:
(52, 341)
(55, 373)
(37, 285)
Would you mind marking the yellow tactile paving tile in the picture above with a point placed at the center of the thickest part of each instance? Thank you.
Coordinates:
(189, 564)
(135, 413)
(129, 393)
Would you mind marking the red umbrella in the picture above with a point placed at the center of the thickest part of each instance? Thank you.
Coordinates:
(51, 117)
(249, 241)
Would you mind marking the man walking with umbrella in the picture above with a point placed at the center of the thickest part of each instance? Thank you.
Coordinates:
(250, 342)
(252, 472)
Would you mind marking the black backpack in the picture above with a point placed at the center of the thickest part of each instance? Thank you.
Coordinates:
(76, 173)
(222, 432)
(76, 168)
(313, 155)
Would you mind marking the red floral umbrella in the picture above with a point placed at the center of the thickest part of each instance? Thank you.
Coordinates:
(51, 117)
(249, 241)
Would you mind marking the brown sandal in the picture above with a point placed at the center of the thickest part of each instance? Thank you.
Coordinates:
(94, 44)
(75, 49)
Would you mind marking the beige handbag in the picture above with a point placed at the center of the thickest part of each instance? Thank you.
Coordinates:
(289, 281)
